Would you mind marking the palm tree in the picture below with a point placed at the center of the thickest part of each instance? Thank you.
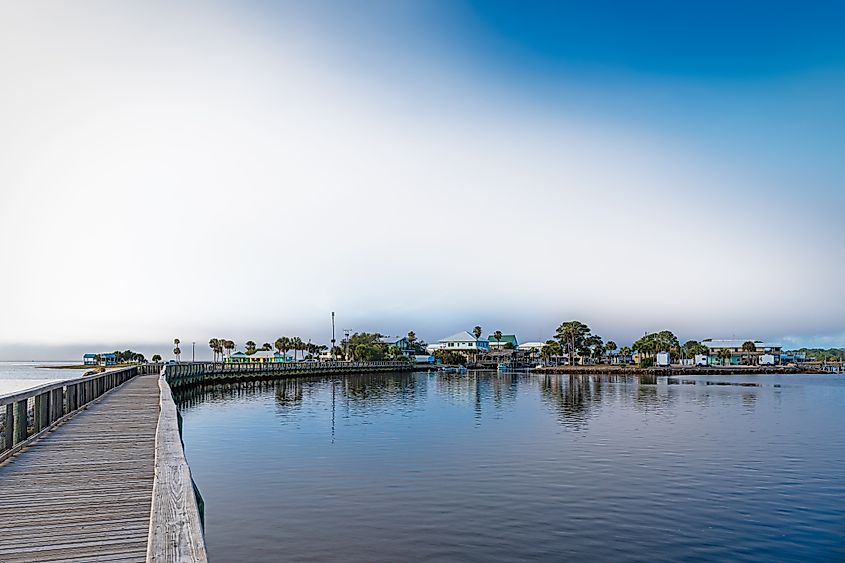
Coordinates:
(572, 335)
(724, 354)
(610, 346)
(749, 347)
(250, 347)
(412, 336)
(279, 345)
(229, 346)
(551, 349)
(213, 344)
(477, 332)
(296, 343)
(156, 358)
(176, 350)
(497, 336)
(286, 345)
(267, 346)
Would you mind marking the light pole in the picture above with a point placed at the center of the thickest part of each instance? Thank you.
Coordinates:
(193, 351)
(334, 354)
(346, 332)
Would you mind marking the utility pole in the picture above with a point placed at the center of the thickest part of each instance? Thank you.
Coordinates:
(193, 351)
(346, 332)
(334, 354)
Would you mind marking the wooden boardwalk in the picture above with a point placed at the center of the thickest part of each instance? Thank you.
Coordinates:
(84, 491)
(94, 470)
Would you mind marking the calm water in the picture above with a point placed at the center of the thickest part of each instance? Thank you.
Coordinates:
(17, 376)
(492, 467)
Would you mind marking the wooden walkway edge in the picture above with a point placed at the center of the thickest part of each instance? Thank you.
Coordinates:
(83, 491)
(175, 532)
(95, 470)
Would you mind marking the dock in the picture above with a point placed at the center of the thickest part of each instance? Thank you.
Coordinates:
(673, 370)
(84, 491)
(93, 468)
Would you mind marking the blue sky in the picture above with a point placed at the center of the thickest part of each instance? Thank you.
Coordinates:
(761, 79)
(424, 165)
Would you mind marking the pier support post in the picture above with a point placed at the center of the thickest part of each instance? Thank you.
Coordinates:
(20, 422)
(8, 436)
(39, 413)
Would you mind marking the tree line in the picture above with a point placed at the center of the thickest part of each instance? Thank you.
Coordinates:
(575, 339)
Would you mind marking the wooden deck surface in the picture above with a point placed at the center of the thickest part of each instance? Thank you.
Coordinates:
(84, 491)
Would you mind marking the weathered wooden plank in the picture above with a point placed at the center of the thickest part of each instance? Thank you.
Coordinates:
(83, 490)
(175, 528)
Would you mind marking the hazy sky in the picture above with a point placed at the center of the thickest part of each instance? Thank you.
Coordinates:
(242, 169)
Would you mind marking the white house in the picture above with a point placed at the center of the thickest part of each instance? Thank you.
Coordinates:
(531, 349)
(433, 347)
(531, 346)
(464, 342)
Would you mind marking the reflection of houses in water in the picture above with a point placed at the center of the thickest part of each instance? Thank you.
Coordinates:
(378, 387)
(576, 398)
(497, 390)
(289, 392)
(573, 400)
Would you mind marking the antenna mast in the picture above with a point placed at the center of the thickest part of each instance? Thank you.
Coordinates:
(334, 354)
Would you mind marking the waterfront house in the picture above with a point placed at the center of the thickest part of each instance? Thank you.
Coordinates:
(464, 343)
(259, 357)
(532, 349)
(505, 340)
(792, 357)
(738, 356)
(433, 347)
(401, 343)
(617, 358)
(265, 357)
(237, 358)
(99, 360)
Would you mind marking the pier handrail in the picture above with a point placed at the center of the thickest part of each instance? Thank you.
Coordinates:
(52, 403)
(43, 388)
(188, 373)
(175, 525)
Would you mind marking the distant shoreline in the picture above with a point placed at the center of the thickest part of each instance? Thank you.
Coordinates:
(679, 370)
(83, 366)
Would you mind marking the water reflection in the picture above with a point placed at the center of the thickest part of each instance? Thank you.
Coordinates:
(504, 467)
(572, 400)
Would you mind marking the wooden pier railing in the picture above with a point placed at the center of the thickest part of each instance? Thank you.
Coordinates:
(176, 532)
(28, 414)
(185, 374)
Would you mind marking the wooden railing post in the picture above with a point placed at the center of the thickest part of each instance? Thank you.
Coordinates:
(20, 422)
(8, 431)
